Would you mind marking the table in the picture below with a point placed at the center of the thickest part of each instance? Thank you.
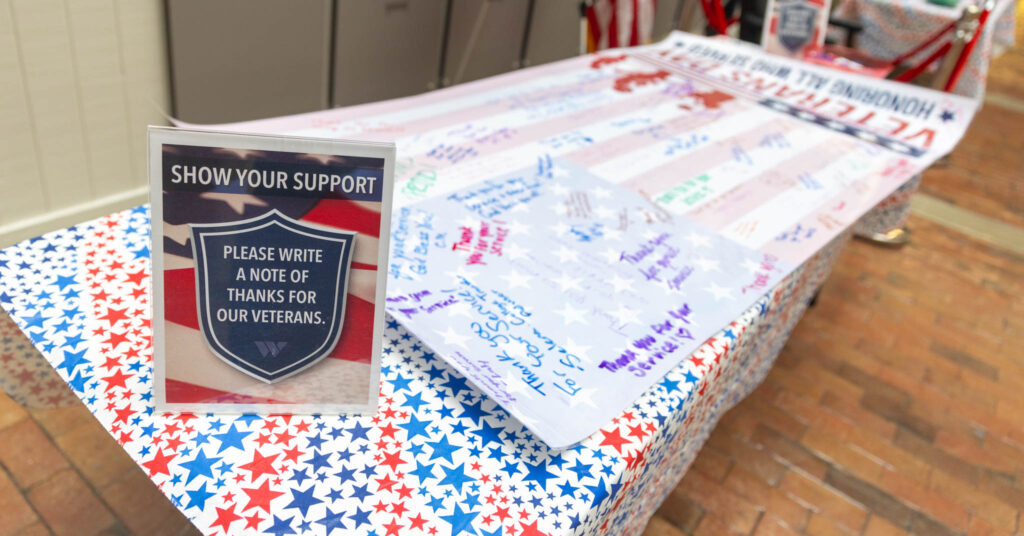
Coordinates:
(436, 456)
(892, 27)
(439, 457)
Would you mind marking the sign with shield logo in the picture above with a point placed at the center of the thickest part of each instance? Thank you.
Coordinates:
(271, 292)
(796, 24)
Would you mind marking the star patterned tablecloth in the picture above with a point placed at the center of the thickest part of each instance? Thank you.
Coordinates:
(25, 375)
(439, 458)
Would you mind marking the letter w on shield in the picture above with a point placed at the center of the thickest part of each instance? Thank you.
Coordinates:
(271, 319)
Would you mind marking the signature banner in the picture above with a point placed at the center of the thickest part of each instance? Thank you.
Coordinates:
(767, 158)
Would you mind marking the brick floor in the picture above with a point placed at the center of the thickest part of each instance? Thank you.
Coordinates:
(896, 408)
(904, 436)
(898, 405)
(61, 473)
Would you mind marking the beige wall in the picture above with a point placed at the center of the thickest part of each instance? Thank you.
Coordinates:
(79, 82)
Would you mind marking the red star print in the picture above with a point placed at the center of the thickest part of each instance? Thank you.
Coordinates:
(532, 530)
(393, 460)
(158, 465)
(173, 443)
(263, 440)
(253, 521)
(393, 527)
(114, 316)
(399, 509)
(225, 517)
(111, 363)
(404, 492)
(260, 497)
(385, 483)
(260, 465)
(637, 431)
(136, 277)
(124, 413)
(115, 339)
(116, 379)
(614, 439)
(25, 376)
(388, 431)
(416, 522)
(292, 454)
(284, 437)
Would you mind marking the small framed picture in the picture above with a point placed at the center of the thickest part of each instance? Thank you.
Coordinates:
(269, 269)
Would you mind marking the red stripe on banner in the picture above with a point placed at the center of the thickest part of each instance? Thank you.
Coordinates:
(347, 215)
(179, 392)
(356, 340)
(364, 266)
(180, 297)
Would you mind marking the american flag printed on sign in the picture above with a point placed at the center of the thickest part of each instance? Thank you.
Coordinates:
(194, 375)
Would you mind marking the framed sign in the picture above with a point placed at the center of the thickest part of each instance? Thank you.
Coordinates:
(795, 28)
(267, 295)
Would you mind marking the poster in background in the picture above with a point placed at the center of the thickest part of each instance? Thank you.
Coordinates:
(795, 27)
(267, 293)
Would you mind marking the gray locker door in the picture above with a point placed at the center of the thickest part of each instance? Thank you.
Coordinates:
(554, 31)
(386, 49)
(233, 60)
(666, 18)
(485, 38)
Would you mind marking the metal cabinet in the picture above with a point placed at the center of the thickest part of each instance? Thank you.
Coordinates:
(485, 37)
(554, 32)
(386, 49)
(233, 60)
(666, 17)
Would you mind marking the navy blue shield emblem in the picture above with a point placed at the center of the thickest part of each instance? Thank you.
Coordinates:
(271, 292)
(796, 25)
